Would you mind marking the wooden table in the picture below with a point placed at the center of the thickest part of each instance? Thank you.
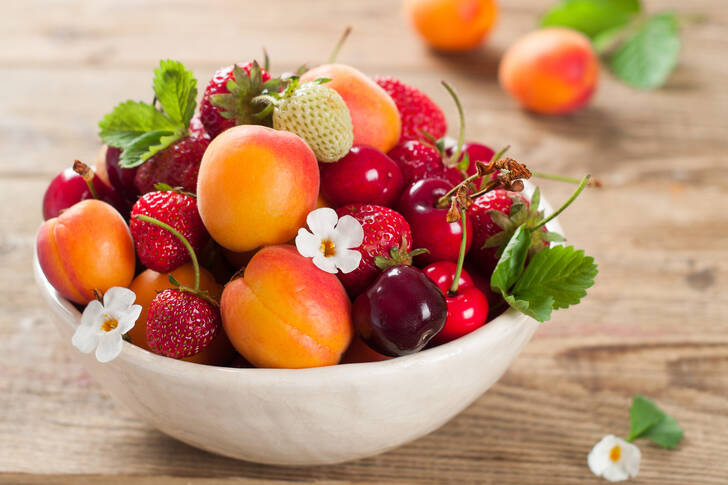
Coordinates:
(655, 323)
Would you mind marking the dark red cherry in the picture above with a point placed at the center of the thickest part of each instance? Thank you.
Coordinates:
(477, 152)
(122, 179)
(401, 312)
(68, 188)
(430, 229)
(467, 308)
(365, 175)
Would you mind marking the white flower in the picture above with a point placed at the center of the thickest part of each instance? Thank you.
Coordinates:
(331, 241)
(614, 459)
(103, 325)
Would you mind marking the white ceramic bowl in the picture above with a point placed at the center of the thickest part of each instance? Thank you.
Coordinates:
(304, 416)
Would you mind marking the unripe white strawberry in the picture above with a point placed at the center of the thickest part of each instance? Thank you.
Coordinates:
(319, 115)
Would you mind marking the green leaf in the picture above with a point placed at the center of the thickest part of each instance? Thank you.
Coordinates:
(559, 272)
(145, 146)
(591, 17)
(176, 90)
(538, 308)
(131, 119)
(649, 421)
(510, 264)
(648, 57)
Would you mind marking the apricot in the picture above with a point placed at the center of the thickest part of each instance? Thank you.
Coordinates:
(255, 187)
(88, 247)
(550, 71)
(284, 312)
(452, 25)
(374, 115)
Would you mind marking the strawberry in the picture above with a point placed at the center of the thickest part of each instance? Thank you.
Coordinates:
(316, 113)
(181, 324)
(495, 216)
(386, 233)
(157, 248)
(176, 165)
(419, 161)
(226, 101)
(418, 112)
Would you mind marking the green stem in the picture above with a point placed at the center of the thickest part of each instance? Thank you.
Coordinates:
(266, 60)
(339, 45)
(182, 239)
(461, 117)
(444, 201)
(461, 256)
(559, 178)
(582, 186)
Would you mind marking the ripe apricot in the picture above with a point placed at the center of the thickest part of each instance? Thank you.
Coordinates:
(284, 312)
(374, 115)
(452, 25)
(550, 71)
(255, 187)
(88, 247)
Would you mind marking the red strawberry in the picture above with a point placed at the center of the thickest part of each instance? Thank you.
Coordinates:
(420, 161)
(181, 324)
(418, 112)
(487, 223)
(176, 165)
(157, 248)
(384, 229)
(220, 108)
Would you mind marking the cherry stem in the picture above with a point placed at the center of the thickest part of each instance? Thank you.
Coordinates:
(87, 175)
(444, 201)
(182, 239)
(582, 185)
(593, 182)
(461, 256)
(339, 45)
(461, 117)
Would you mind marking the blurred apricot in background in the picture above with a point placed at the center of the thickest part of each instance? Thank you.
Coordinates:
(452, 25)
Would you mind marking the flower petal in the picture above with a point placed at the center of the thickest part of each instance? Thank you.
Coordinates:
(631, 457)
(347, 260)
(129, 319)
(85, 338)
(322, 221)
(349, 233)
(325, 264)
(308, 245)
(109, 347)
(91, 316)
(118, 300)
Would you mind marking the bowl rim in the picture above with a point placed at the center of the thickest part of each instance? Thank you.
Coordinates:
(139, 357)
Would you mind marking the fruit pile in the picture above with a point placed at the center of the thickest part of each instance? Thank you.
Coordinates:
(296, 221)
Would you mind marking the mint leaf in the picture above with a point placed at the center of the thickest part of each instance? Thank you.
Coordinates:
(591, 17)
(176, 90)
(648, 57)
(131, 119)
(559, 272)
(510, 264)
(649, 421)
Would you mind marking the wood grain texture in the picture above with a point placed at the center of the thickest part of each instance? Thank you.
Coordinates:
(655, 323)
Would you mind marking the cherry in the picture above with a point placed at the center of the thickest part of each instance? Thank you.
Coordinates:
(467, 307)
(365, 175)
(430, 229)
(401, 312)
(68, 188)
(122, 179)
(476, 152)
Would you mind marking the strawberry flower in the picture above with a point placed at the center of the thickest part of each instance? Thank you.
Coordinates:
(331, 241)
(614, 459)
(104, 324)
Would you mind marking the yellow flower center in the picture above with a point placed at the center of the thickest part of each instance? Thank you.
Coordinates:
(328, 248)
(109, 324)
(615, 453)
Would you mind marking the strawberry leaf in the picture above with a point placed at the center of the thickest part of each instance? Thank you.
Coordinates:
(510, 264)
(591, 17)
(176, 90)
(131, 119)
(145, 146)
(649, 421)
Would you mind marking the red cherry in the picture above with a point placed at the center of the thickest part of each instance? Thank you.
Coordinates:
(122, 179)
(467, 309)
(365, 175)
(430, 229)
(68, 188)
